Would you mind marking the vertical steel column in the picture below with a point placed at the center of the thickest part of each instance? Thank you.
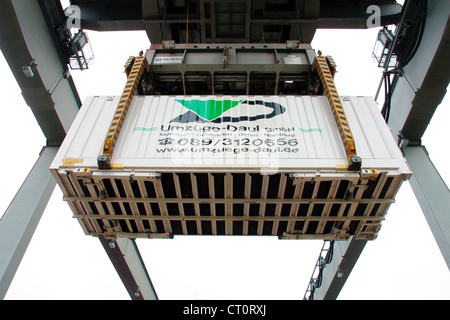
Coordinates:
(433, 196)
(20, 220)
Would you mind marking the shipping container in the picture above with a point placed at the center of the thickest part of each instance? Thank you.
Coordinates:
(230, 165)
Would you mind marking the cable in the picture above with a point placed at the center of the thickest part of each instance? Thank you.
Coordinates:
(163, 26)
(384, 109)
(262, 32)
(404, 46)
(187, 22)
(316, 282)
(421, 27)
(330, 252)
(388, 87)
(301, 36)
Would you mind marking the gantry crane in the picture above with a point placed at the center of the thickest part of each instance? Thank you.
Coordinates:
(35, 63)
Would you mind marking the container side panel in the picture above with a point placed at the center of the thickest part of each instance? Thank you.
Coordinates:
(371, 143)
(230, 165)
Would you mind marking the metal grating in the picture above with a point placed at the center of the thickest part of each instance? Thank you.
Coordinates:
(299, 206)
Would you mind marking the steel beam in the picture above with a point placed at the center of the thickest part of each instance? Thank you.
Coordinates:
(417, 94)
(127, 260)
(340, 15)
(26, 36)
(20, 220)
(300, 18)
(433, 196)
(422, 86)
(25, 39)
(335, 273)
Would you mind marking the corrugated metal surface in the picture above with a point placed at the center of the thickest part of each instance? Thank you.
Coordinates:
(260, 165)
(303, 136)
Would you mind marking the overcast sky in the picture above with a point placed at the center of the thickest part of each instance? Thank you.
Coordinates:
(61, 262)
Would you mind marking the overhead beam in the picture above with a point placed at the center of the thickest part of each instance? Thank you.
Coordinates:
(302, 17)
(127, 261)
(150, 12)
(339, 15)
(20, 220)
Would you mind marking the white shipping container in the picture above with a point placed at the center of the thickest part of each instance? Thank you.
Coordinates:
(230, 165)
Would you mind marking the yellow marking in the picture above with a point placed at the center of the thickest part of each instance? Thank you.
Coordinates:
(325, 74)
(72, 161)
(134, 77)
(116, 165)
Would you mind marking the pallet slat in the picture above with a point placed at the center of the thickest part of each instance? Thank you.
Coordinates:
(326, 208)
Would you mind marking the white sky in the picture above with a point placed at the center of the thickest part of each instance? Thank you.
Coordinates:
(61, 262)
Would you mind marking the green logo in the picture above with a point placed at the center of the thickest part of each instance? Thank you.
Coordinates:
(212, 110)
(209, 109)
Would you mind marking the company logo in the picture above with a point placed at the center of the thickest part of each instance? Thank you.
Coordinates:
(212, 110)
